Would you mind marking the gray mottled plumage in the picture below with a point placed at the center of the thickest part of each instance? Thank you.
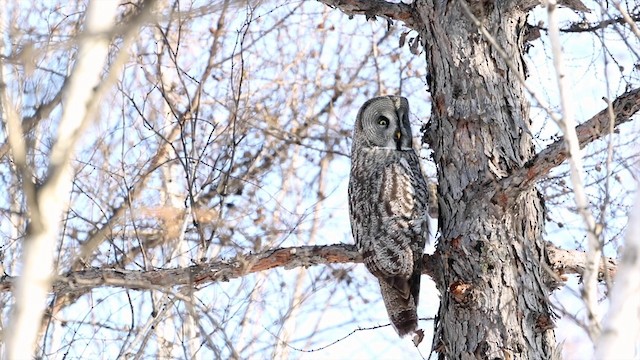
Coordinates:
(388, 205)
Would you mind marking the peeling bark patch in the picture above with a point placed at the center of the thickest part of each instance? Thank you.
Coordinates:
(501, 199)
(461, 292)
(455, 243)
(441, 108)
(531, 174)
(470, 146)
(543, 323)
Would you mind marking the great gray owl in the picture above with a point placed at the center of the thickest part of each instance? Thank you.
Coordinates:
(388, 205)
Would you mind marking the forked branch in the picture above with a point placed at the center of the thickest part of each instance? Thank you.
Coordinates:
(624, 107)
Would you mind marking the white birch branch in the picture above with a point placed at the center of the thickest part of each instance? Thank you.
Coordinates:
(621, 325)
(51, 199)
(567, 125)
(627, 18)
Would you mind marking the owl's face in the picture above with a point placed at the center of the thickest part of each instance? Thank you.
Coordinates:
(383, 122)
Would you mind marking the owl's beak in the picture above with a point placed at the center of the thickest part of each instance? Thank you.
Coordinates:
(398, 135)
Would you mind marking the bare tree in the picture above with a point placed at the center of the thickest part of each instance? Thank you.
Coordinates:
(204, 174)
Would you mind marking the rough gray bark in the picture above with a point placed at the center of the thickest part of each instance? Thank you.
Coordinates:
(494, 295)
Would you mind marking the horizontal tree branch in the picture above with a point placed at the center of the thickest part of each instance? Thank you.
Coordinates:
(584, 26)
(562, 262)
(565, 262)
(624, 107)
(372, 8)
(576, 5)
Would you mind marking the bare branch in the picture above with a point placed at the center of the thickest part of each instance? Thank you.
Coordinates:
(624, 107)
(576, 5)
(565, 262)
(372, 8)
(584, 26)
(562, 262)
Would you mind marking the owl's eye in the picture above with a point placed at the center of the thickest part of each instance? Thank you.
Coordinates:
(383, 121)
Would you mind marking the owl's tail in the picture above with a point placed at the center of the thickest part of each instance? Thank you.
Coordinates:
(402, 307)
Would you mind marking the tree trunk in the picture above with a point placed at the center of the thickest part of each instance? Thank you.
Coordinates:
(494, 297)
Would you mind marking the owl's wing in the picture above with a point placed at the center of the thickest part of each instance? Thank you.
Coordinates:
(404, 195)
(400, 283)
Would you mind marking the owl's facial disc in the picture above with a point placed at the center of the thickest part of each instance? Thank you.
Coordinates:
(385, 124)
